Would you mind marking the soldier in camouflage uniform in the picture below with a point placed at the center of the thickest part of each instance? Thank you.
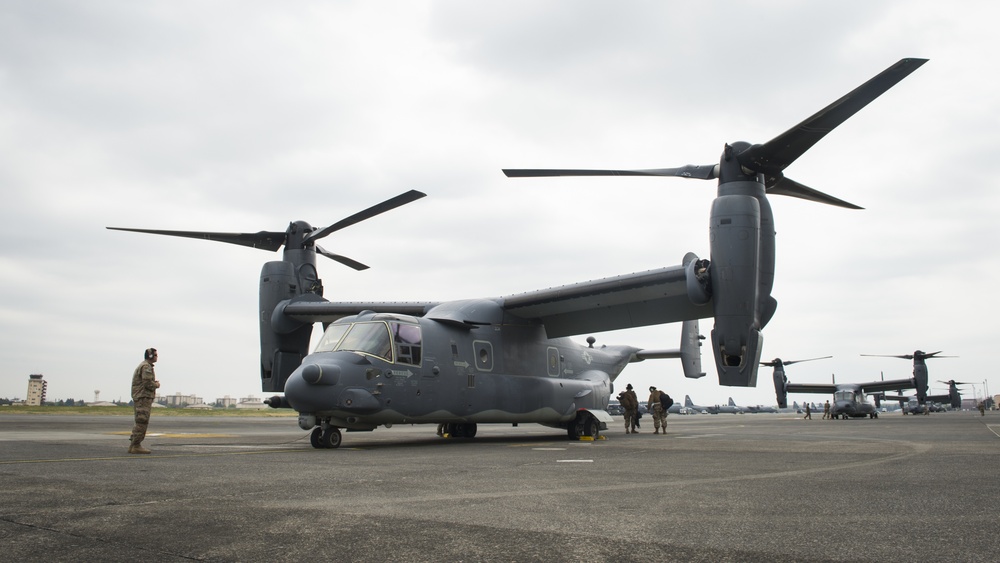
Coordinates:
(144, 386)
(630, 404)
(655, 408)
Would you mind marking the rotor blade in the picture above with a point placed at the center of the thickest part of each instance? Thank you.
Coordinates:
(264, 240)
(928, 355)
(372, 211)
(790, 362)
(342, 259)
(787, 186)
(699, 171)
(775, 155)
(904, 356)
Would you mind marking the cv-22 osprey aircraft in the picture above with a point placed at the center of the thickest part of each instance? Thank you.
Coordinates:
(849, 399)
(509, 359)
(913, 405)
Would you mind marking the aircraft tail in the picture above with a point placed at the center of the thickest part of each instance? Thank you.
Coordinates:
(689, 351)
(687, 401)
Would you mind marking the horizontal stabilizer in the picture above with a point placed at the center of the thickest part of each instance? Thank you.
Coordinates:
(689, 352)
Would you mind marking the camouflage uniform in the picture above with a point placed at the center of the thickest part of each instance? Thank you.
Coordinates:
(657, 410)
(630, 403)
(144, 386)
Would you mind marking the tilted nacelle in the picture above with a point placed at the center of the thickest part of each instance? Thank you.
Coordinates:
(735, 239)
(284, 342)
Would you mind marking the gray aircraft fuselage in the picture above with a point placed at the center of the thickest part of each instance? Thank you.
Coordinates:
(406, 369)
(850, 402)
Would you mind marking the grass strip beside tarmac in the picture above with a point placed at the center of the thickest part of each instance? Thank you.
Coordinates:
(126, 410)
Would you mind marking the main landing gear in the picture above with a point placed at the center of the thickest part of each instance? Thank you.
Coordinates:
(585, 425)
(458, 429)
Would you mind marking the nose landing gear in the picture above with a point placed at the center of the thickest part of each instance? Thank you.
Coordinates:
(325, 438)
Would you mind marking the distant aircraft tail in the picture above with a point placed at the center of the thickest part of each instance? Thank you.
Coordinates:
(687, 401)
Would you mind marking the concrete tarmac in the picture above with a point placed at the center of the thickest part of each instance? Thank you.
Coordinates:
(753, 487)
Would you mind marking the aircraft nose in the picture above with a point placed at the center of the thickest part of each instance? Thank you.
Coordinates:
(313, 387)
(331, 385)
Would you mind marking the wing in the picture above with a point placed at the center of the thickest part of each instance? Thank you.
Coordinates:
(627, 301)
(901, 399)
(938, 399)
(633, 300)
(887, 385)
(827, 388)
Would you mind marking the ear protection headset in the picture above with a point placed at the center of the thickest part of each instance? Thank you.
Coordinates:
(149, 353)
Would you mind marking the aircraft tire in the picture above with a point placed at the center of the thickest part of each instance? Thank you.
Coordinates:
(331, 438)
(585, 424)
(591, 427)
(316, 437)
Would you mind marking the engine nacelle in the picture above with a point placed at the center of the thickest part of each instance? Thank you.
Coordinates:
(283, 344)
(920, 380)
(735, 273)
(780, 387)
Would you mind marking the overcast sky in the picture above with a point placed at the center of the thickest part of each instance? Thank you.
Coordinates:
(243, 116)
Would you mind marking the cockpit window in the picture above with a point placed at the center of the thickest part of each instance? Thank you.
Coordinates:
(408, 343)
(375, 339)
(331, 338)
(368, 338)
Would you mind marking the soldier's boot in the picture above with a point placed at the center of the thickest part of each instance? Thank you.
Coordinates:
(626, 431)
(657, 431)
(634, 431)
(137, 449)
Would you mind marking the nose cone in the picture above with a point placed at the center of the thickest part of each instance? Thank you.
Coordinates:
(331, 383)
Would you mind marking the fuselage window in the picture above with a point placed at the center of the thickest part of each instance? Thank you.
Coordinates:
(484, 355)
(407, 339)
